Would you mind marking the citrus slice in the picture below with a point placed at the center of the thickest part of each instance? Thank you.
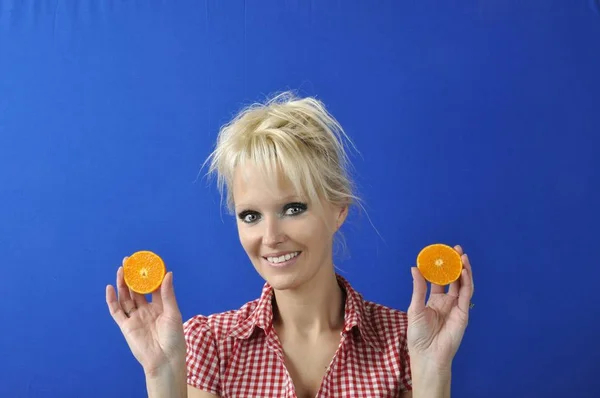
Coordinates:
(439, 264)
(144, 271)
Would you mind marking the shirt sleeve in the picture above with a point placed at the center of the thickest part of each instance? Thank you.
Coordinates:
(406, 377)
(202, 356)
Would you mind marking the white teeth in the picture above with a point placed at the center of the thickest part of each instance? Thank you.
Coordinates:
(280, 259)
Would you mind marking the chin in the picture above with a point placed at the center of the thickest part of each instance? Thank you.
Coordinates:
(283, 282)
(280, 279)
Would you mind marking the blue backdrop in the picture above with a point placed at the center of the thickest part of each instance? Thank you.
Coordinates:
(478, 125)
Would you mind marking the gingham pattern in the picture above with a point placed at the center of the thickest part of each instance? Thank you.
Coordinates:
(236, 354)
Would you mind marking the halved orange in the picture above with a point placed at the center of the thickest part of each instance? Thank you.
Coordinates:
(144, 271)
(439, 264)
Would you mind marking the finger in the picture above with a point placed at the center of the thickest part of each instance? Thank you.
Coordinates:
(467, 265)
(122, 288)
(157, 298)
(459, 249)
(417, 303)
(454, 288)
(138, 299)
(113, 306)
(125, 299)
(466, 291)
(436, 289)
(167, 292)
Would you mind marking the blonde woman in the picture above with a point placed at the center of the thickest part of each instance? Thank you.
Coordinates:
(284, 168)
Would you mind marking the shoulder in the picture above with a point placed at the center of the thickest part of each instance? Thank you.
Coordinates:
(388, 324)
(385, 318)
(209, 344)
(218, 325)
(384, 329)
(391, 326)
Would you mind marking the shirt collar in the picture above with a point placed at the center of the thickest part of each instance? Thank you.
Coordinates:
(355, 315)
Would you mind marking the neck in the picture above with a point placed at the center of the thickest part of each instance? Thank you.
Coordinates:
(312, 309)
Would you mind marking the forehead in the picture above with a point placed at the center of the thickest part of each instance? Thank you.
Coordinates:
(254, 185)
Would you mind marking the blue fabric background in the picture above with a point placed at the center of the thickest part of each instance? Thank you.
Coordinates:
(477, 122)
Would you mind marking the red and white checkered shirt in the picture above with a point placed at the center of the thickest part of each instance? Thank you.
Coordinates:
(237, 353)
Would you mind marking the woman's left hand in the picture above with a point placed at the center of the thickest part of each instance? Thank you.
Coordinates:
(436, 328)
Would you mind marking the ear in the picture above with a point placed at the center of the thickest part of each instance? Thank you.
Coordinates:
(341, 217)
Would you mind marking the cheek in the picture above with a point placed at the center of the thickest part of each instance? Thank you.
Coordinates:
(249, 238)
(311, 233)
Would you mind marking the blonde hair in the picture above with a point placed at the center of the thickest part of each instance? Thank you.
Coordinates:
(296, 135)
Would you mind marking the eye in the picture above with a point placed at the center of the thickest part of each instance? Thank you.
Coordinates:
(293, 209)
(248, 217)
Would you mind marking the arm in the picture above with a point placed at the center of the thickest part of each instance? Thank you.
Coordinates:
(195, 393)
(428, 381)
(167, 383)
(172, 384)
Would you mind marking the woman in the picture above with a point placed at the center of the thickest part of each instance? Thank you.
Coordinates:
(285, 170)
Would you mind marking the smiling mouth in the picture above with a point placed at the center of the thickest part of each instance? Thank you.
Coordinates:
(283, 258)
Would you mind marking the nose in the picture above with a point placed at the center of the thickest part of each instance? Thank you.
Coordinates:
(273, 234)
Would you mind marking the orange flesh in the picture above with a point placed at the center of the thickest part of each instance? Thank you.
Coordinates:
(439, 264)
(144, 271)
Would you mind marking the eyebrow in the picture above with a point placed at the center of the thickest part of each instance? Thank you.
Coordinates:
(284, 200)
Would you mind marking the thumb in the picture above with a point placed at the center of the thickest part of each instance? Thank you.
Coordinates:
(417, 303)
(168, 294)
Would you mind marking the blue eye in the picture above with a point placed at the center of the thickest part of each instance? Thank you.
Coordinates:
(293, 209)
(248, 217)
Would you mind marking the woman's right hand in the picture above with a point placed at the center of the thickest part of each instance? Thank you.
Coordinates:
(153, 331)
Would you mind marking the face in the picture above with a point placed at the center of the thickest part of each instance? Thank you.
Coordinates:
(288, 241)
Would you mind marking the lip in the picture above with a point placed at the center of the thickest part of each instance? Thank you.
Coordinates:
(278, 254)
(283, 264)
